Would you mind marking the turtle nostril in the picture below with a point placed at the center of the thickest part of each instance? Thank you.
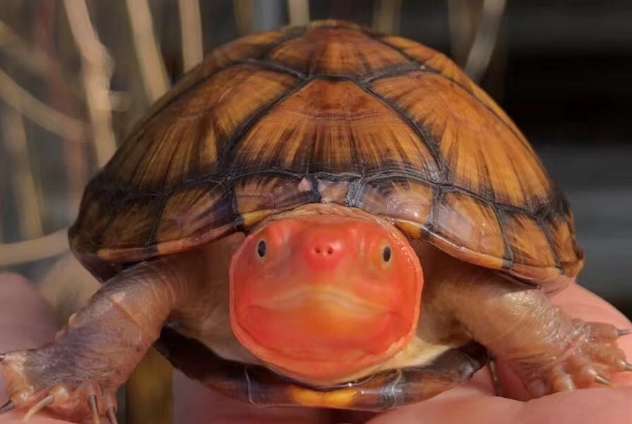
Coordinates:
(324, 250)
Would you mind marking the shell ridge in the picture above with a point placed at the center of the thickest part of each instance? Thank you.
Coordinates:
(151, 237)
(509, 255)
(438, 194)
(272, 65)
(549, 239)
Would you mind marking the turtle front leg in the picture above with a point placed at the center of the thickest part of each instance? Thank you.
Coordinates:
(77, 376)
(549, 350)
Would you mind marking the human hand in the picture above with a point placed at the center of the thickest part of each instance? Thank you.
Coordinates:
(25, 322)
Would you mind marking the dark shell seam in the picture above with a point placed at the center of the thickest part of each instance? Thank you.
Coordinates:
(461, 86)
(342, 176)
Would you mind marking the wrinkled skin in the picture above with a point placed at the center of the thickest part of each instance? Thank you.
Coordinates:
(26, 322)
(94, 354)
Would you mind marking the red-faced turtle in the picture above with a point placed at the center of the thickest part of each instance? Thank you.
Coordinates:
(321, 216)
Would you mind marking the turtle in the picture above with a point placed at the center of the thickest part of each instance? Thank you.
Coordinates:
(321, 216)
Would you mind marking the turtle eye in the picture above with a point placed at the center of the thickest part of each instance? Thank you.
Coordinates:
(387, 254)
(262, 248)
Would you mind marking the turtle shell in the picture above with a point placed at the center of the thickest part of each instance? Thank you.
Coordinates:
(330, 112)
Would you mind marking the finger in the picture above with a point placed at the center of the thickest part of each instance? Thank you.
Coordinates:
(475, 407)
(581, 303)
(26, 320)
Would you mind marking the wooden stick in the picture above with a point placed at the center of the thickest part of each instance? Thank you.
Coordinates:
(35, 249)
(485, 40)
(96, 69)
(191, 30)
(298, 11)
(37, 111)
(24, 187)
(387, 15)
(244, 16)
(148, 53)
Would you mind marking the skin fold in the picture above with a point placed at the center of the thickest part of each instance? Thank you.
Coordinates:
(93, 355)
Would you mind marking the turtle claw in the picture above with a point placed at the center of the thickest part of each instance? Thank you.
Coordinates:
(112, 416)
(47, 401)
(623, 331)
(602, 380)
(7, 407)
(94, 409)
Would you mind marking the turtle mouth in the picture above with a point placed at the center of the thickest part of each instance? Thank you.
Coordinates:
(319, 333)
(328, 298)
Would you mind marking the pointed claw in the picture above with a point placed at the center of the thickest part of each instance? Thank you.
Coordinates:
(627, 366)
(623, 331)
(48, 400)
(95, 410)
(602, 380)
(112, 416)
(8, 406)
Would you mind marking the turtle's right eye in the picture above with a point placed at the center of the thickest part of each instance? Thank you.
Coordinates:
(262, 248)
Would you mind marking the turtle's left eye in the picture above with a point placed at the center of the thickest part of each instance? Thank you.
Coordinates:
(387, 254)
(262, 248)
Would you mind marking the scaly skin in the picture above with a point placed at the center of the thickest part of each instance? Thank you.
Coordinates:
(549, 350)
(77, 375)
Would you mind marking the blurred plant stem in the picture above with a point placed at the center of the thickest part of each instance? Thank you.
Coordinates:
(19, 51)
(387, 15)
(149, 391)
(474, 27)
(298, 11)
(74, 153)
(37, 111)
(148, 53)
(34, 249)
(26, 192)
(191, 28)
(96, 70)
(244, 18)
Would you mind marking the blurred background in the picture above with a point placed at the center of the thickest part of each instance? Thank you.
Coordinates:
(76, 74)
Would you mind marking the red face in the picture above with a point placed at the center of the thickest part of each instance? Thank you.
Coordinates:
(321, 298)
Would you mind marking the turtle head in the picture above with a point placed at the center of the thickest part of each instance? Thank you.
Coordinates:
(324, 298)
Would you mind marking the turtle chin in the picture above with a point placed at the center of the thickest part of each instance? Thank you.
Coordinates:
(320, 335)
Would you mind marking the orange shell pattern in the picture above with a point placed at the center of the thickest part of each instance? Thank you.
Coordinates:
(331, 112)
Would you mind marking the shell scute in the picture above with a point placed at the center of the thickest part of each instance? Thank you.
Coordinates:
(460, 217)
(528, 241)
(266, 192)
(399, 198)
(192, 209)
